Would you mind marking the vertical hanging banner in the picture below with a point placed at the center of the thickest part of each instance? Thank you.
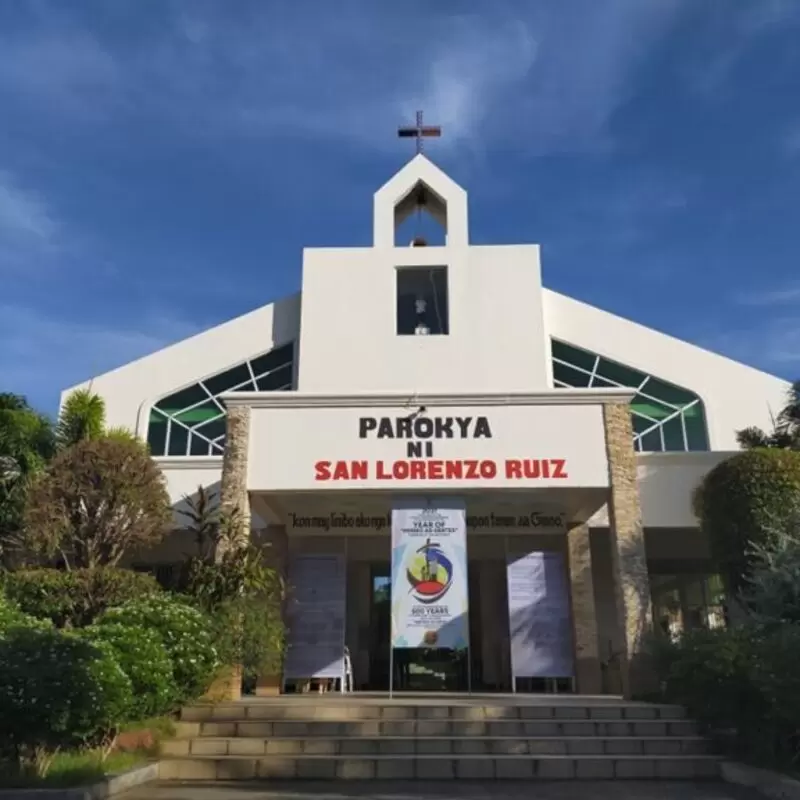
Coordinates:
(539, 616)
(429, 574)
(316, 617)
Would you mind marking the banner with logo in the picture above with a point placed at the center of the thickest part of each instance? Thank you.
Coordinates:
(539, 616)
(429, 574)
(316, 617)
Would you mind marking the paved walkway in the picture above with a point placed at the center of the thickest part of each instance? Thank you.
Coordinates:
(451, 790)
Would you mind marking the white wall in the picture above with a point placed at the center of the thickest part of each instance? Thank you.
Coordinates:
(349, 341)
(666, 484)
(735, 396)
(130, 390)
(184, 475)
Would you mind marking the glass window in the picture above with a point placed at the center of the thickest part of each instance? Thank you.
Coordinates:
(183, 399)
(668, 393)
(279, 357)
(696, 431)
(227, 380)
(673, 435)
(573, 355)
(422, 305)
(178, 440)
(198, 446)
(157, 434)
(198, 414)
(619, 374)
(190, 422)
(569, 376)
(276, 380)
(213, 429)
(660, 410)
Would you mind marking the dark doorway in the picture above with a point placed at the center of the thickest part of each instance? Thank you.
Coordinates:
(431, 669)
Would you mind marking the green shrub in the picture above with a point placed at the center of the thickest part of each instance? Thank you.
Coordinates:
(11, 617)
(708, 672)
(142, 656)
(57, 690)
(185, 633)
(741, 500)
(741, 681)
(75, 598)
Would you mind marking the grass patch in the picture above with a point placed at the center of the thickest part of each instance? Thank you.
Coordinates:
(84, 767)
(72, 769)
(162, 727)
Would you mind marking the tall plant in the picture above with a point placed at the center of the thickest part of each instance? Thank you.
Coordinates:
(202, 515)
(83, 418)
(785, 434)
(240, 592)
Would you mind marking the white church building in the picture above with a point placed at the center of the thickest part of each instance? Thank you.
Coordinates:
(566, 433)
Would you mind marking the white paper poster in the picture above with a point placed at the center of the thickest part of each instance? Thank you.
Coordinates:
(316, 617)
(539, 616)
(429, 575)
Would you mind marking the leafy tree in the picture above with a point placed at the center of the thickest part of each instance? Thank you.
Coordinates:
(741, 501)
(785, 434)
(26, 443)
(96, 501)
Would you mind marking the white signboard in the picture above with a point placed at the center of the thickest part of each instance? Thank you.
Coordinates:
(429, 575)
(481, 447)
(539, 616)
(316, 617)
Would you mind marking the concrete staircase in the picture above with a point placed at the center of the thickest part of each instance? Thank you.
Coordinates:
(441, 737)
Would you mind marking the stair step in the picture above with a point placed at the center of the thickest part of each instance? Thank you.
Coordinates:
(430, 767)
(343, 711)
(454, 728)
(434, 745)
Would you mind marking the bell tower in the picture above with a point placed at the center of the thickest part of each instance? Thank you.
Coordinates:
(420, 186)
(408, 316)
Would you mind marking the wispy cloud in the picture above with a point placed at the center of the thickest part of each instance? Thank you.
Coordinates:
(782, 295)
(30, 232)
(41, 351)
(739, 27)
(791, 140)
(772, 345)
(24, 215)
(549, 76)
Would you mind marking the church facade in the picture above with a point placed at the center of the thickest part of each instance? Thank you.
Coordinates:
(568, 436)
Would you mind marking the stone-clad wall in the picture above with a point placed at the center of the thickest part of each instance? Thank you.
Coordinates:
(233, 491)
(584, 616)
(629, 560)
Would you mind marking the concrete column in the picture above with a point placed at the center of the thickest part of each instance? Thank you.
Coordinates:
(629, 560)
(233, 491)
(584, 615)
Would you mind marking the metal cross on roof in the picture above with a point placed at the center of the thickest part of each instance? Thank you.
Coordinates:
(419, 131)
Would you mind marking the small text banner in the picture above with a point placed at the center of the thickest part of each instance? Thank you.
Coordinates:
(316, 617)
(539, 616)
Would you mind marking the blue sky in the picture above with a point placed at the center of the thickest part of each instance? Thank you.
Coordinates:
(162, 164)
